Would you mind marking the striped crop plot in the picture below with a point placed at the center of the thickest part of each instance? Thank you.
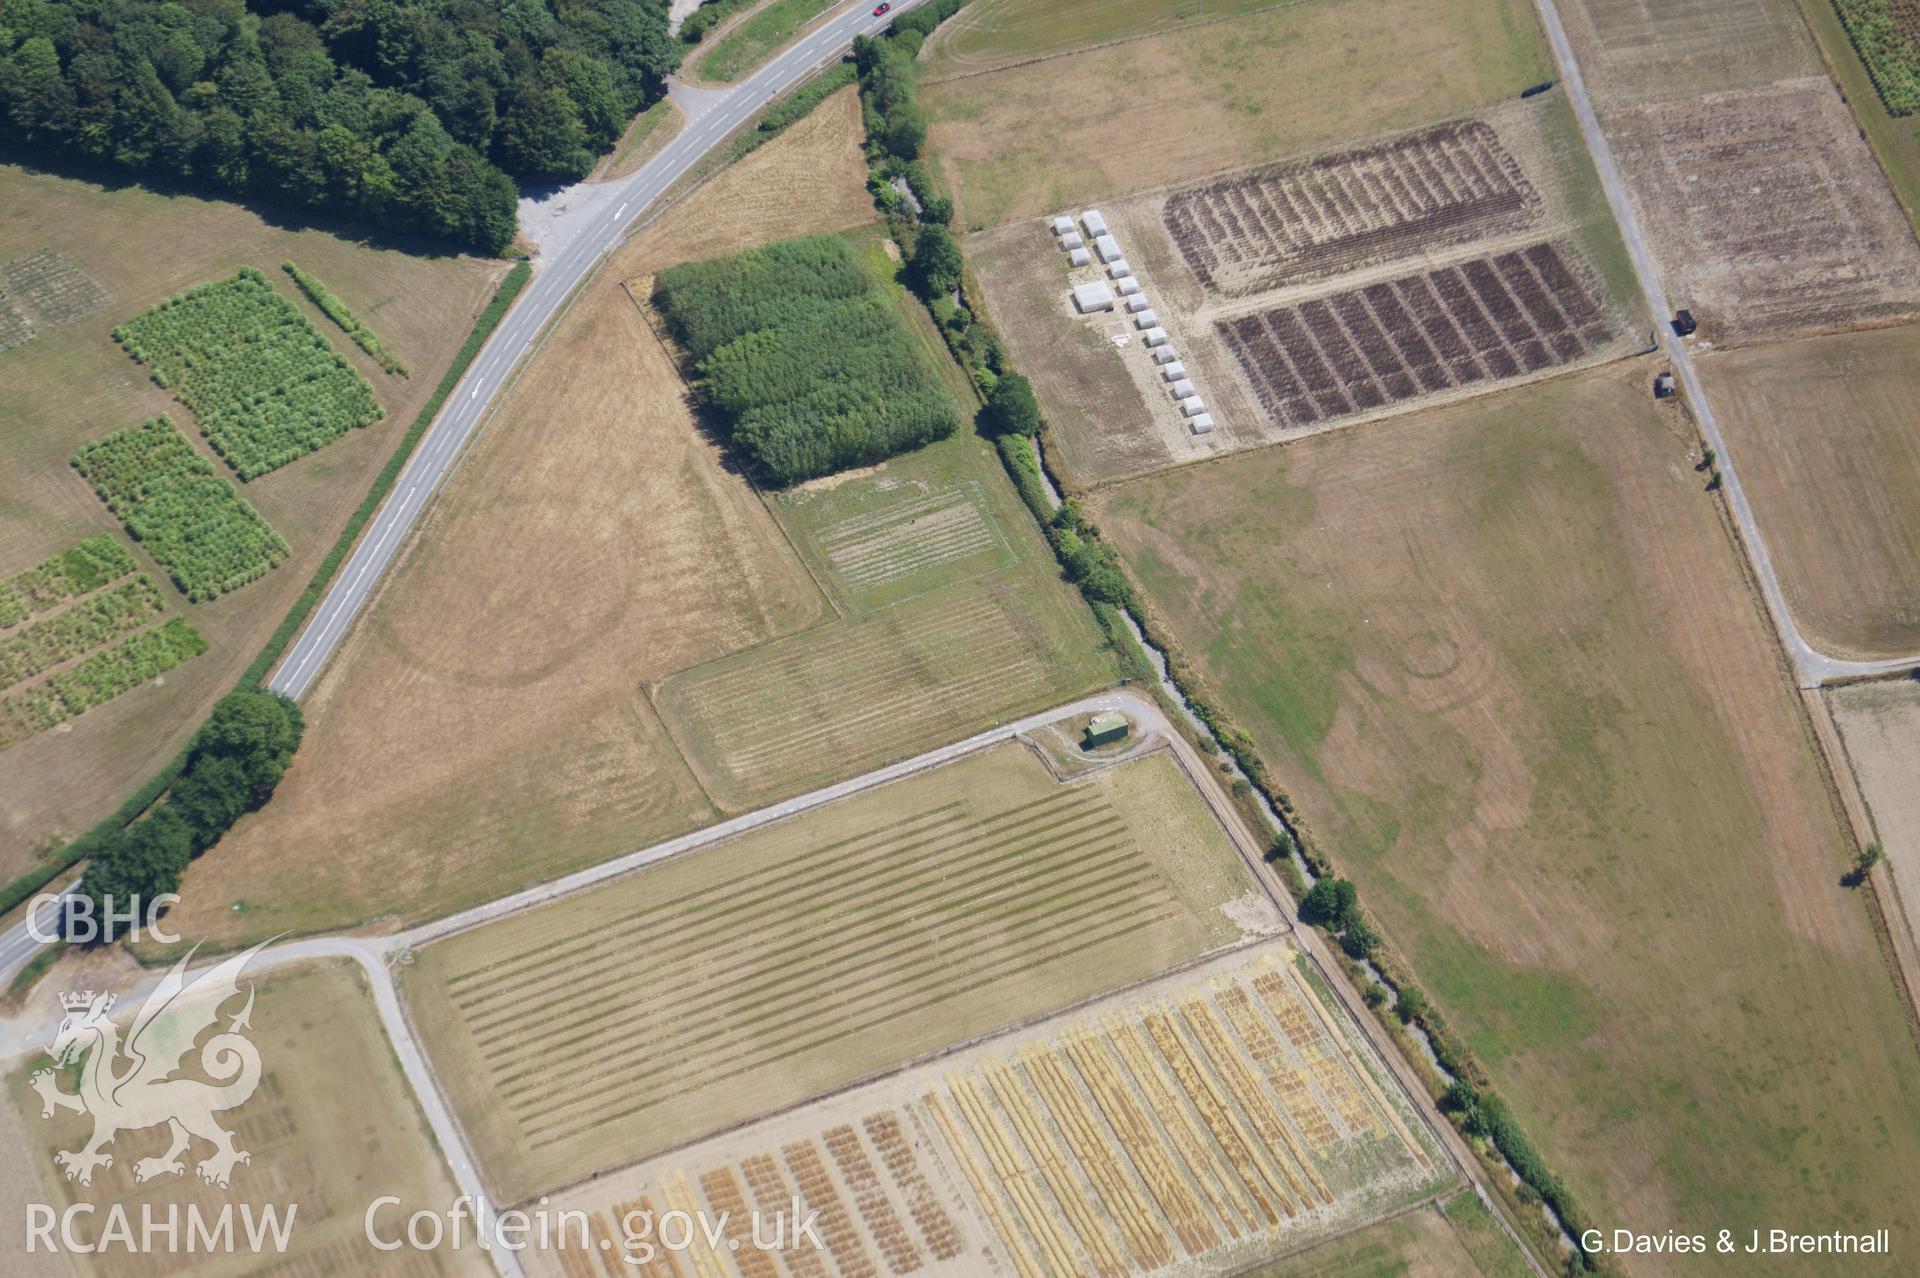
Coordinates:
(1484, 321)
(1325, 289)
(905, 541)
(1193, 1127)
(262, 383)
(922, 523)
(837, 701)
(720, 984)
(1323, 217)
(1197, 1125)
(76, 630)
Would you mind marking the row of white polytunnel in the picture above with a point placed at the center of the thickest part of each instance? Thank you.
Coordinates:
(1100, 296)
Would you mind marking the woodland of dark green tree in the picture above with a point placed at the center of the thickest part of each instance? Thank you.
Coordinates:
(414, 115)
(804, 358)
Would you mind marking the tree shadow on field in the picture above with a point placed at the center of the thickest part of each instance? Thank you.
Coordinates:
(275, 213)
(713, 427)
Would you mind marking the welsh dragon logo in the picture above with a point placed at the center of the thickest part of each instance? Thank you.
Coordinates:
(125, 1087)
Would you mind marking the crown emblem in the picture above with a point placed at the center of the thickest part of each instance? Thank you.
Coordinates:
(81, 1001)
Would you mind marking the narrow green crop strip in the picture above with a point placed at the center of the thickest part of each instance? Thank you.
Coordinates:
(336, 310)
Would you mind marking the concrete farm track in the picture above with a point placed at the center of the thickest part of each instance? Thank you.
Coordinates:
(575, 228)
(377, 956)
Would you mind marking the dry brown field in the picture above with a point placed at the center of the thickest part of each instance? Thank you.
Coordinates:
(811, 178)
(1634, 51)
(1823, 431)
(726, 982)
(1880, 724)
(331, 1127)
(487, 722)
(69, 384)
(1189, 1126)
(1285, 80)
(1768, 213)
(1382, 277)
(1503, 657)
(989, 34)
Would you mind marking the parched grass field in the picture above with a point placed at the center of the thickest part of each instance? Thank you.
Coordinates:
(1823, 431)
(895, 536)
(592, 539)
(1188, 1126)
(1880, 724)
(82, 258)
(331, 1127)
(594, 543)
(954, 618)
(1285, 80)
(810, 178)
(843, 699)
(1502, 656)
(992, 33)
(726, 982)
(1636, 51)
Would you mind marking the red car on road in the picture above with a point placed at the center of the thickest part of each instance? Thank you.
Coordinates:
(882, 9)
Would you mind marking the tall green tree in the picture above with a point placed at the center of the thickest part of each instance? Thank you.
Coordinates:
(937, 265)
(38, 101)
(1011, 408)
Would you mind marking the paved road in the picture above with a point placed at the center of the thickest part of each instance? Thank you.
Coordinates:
(1812, 666)
(18, 946)
(575, 228)
(376, 956)
(34, 1025)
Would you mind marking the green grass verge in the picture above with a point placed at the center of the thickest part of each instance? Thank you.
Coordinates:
(336, 310)
(143, 798)
(643, 127)
(708, 16)
(29, 976)
(793, 108)
(748, 44)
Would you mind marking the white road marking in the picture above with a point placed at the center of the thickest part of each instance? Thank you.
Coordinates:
(546, 292)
